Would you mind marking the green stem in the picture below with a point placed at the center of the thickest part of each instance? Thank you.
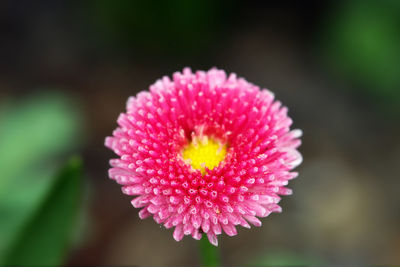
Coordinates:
(209, 254)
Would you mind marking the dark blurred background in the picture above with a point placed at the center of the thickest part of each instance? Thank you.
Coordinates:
(68, 67)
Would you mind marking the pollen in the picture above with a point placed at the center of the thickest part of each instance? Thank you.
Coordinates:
(204, 152)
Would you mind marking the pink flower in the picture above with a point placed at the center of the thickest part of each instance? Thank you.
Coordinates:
(204, 153)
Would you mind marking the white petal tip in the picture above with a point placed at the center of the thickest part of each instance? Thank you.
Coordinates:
(213, 239)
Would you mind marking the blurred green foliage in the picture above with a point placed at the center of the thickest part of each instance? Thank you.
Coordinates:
(35, 135)
(177, 26)
(283, 258)
(362, 43)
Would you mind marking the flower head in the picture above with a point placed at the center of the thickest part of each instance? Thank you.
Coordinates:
(204, 153)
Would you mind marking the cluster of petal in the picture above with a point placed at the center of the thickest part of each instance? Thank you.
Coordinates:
(246, 185)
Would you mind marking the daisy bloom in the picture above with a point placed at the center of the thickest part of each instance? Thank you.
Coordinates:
(204, 153)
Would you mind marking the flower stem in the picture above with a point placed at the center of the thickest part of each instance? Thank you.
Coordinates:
(209, 254)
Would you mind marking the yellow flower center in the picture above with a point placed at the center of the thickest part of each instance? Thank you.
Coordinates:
(204, 152)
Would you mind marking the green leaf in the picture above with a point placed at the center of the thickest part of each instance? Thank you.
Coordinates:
(44, 241)
(33, 130)
(35, 133)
